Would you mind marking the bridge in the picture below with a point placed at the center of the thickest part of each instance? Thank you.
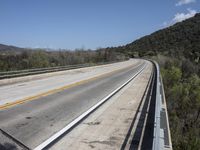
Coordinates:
(118, 105)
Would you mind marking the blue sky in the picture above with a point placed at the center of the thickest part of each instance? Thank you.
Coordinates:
(87, 24)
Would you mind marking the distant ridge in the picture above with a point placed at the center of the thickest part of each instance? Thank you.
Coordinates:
(7, 48)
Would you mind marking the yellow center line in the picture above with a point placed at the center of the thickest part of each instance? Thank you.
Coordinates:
(36, 97)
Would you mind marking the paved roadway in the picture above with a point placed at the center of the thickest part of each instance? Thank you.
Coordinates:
(28, 86)
(35, 121)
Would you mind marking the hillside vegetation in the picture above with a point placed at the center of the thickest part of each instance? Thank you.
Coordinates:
(19, 59)
(179, 40)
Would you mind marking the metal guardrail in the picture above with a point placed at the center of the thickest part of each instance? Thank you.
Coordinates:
(20, 73)
(32, 70)
(12, 74)
(162, 137)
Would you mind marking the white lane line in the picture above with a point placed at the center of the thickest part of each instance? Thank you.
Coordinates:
(78, 119)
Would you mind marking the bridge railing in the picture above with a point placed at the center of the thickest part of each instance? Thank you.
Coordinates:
(20, 73)
(162, 136)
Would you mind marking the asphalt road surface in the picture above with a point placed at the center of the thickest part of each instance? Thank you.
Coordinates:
(35, 121)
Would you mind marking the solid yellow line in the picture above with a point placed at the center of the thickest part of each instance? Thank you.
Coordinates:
(35, 97)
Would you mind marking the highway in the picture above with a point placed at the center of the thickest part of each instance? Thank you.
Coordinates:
(37, 119)
(19, 88)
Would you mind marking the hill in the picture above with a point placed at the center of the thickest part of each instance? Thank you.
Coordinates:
(6, 48)
(181, 39)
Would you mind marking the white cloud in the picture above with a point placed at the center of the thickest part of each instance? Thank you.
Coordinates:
(179, 17)
(165, 24)
(183, 2)
(182, 16)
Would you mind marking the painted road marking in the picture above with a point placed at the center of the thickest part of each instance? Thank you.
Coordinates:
(35, 97)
